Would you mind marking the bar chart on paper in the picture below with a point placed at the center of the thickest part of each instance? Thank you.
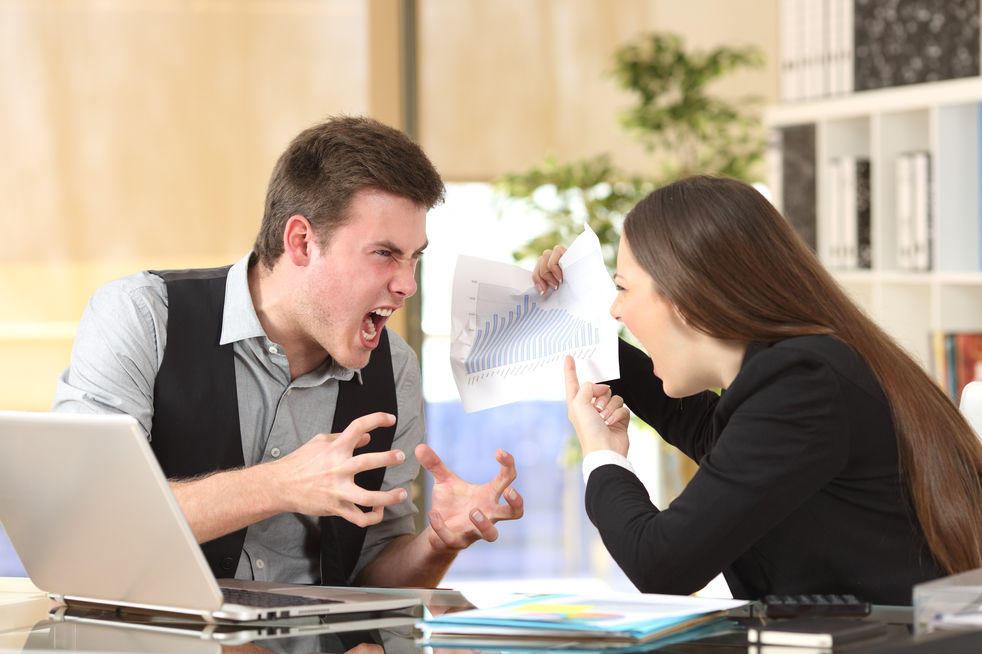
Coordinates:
(508, 342)
(518, 331)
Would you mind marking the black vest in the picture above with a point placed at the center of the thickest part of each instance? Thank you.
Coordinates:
(195, 427)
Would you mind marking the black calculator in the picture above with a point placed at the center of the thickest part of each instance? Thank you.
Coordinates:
(788, 606)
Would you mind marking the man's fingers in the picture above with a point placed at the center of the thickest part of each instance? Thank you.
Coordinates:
(488, 531)
(449, 538)
(356, 431)
(572, 383)
(376, 500)
(507, 474)
(372, 460)
(360, 518)
(515, 508)
(433, 463)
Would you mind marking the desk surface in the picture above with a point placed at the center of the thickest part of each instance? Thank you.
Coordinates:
(25, 627)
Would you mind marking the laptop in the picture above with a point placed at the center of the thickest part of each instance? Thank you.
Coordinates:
(95, 631)
(311, 629)
(94, 522)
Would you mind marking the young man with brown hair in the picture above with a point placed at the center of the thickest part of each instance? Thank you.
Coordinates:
(274, 397)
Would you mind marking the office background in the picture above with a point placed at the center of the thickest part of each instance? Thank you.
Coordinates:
(140, 134)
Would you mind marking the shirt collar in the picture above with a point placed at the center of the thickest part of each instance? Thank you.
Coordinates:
(240, 322)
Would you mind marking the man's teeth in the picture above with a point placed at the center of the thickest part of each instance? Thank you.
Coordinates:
(369, 330)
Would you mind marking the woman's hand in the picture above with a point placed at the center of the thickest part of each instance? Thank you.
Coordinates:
(599, 418)
(547, 272)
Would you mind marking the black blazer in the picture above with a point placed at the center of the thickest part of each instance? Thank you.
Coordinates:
(798, 488)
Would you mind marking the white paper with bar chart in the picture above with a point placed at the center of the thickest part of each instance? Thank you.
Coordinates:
(508, 342)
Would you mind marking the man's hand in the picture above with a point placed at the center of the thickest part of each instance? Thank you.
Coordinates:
(319, 477)
(463, 513)
(599, 418)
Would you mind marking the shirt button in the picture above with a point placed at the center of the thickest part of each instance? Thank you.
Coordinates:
(273, 349)
(289, 390)
(275, 452)
(260, 564)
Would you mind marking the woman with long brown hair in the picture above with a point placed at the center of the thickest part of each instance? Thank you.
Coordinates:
(830, 463)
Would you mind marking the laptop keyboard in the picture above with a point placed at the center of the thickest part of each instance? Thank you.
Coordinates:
(269, 600)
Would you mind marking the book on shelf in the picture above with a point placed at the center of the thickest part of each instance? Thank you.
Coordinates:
(849, 213)
(956, 360)
(594, 621)
(914, 216)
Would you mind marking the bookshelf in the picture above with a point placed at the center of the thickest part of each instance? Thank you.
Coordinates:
(941, 118)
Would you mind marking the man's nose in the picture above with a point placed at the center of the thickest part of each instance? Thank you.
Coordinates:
(404, 282)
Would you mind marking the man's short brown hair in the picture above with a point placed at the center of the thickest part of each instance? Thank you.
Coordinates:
(326, 165)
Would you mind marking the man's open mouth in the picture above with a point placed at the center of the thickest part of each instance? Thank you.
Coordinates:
(373, 322)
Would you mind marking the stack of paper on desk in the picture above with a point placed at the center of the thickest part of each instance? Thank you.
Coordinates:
(614, 618)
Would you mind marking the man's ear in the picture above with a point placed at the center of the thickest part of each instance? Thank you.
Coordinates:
(298, 237)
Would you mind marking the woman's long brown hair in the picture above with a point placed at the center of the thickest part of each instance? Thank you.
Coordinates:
(736, 269)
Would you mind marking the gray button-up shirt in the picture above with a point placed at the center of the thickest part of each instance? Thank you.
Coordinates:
(115, 358)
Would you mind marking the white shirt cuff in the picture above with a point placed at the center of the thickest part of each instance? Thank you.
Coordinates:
(598, 458)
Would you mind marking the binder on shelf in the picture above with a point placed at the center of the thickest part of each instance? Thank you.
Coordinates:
(816, 43)
(922, 211)
(914, 220)
(789, 50)
(864, 250)
(816, 64)
(840, 34)
(915, 42)
(849, 213)
(774, 163)
(834, 253)
(903, 186)
(798, 179)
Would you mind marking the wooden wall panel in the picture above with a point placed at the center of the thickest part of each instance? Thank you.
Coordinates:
(505, 83)
(141, 134)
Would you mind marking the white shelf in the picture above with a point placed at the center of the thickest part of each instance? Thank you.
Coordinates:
(941, 118)
(864, 103)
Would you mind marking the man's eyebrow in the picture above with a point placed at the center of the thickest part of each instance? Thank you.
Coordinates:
(396, 250)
